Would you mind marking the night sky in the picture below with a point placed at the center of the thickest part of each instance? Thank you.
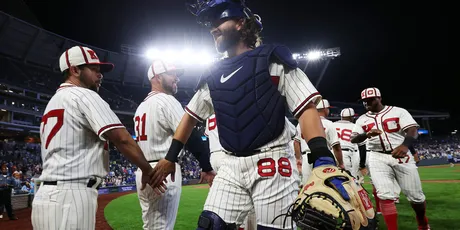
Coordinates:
(398, 47)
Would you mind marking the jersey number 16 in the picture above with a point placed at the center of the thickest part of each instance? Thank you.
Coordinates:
(344, 134)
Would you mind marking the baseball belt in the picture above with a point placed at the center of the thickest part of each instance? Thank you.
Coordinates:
(93, 182)
(254, 152)
(384, 152)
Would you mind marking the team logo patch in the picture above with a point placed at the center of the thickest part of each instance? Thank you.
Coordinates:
(93, 55)
(328, 170)
(308, 185)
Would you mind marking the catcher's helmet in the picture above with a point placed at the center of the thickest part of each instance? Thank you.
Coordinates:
(208, 11)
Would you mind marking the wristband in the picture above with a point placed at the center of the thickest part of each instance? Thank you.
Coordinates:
(408, 140)
(174, 150)
(363, 135)
(318, 148)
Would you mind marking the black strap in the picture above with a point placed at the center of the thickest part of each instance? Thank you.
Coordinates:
(49, 182)
(349, 150)
(90, 184)
(384, 152)
(154, 161)
(254, 152)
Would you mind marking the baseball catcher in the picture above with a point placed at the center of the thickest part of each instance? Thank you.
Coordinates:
(332, 199)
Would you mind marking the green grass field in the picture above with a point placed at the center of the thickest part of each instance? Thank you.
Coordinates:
(443, 204)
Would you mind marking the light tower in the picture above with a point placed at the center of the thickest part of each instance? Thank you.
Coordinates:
(318, 55)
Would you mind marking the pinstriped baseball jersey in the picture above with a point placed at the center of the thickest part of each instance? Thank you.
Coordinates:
(71, 133)
(212, 134)
(392, 121)
(331, 135)
(218, 158)
(155, 123)
(344, 129)
(294, 85)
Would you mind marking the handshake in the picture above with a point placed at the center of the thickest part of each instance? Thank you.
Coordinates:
(156, 177)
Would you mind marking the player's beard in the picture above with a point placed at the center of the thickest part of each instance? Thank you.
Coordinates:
(229, 39)
(168, 86)
(86, 80)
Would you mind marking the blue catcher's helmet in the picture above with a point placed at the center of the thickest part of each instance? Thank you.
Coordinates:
(209, 11)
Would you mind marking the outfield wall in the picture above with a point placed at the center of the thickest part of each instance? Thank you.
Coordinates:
(436, 161)
(20, 201)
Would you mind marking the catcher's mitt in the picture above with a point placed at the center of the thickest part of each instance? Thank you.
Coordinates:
(320, 204)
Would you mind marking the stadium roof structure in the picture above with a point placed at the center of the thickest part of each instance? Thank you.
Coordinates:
(33, 45)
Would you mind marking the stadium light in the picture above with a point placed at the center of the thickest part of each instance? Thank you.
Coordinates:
(152, 53)
(191, 56)
(185, 56)
(170, 55)
(314, 55)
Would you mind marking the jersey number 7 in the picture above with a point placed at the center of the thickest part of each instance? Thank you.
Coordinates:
(59, 115)
(140, 121)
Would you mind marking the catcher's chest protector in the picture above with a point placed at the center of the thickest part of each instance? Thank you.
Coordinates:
(248, 106)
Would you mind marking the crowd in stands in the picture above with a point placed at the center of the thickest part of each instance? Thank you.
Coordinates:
(25, 165)
(30, 78)
(435, 147)
(24, 162)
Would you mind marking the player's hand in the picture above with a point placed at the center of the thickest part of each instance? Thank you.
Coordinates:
(299, 165)
(400, 151)
(416, 158)
(146, 177)
(207, 177)
(162, 169)
(341, 166)
(363, 171)
(373, 133)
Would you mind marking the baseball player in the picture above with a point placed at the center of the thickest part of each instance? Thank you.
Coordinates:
(363, 166)
(389, 132)
(155, 122)
(248, 92)
(349, 150)
(75, 125)
(301, 149)
(218, 156)
(450, 159)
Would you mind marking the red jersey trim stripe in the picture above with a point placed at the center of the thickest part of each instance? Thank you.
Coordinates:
(103, 129)
(372, 115)
(303, 103)
(409, 126)
(150, 95)
(275, 80)
(193, 114)
(335, 143)
(65, 86)
(385, 110)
